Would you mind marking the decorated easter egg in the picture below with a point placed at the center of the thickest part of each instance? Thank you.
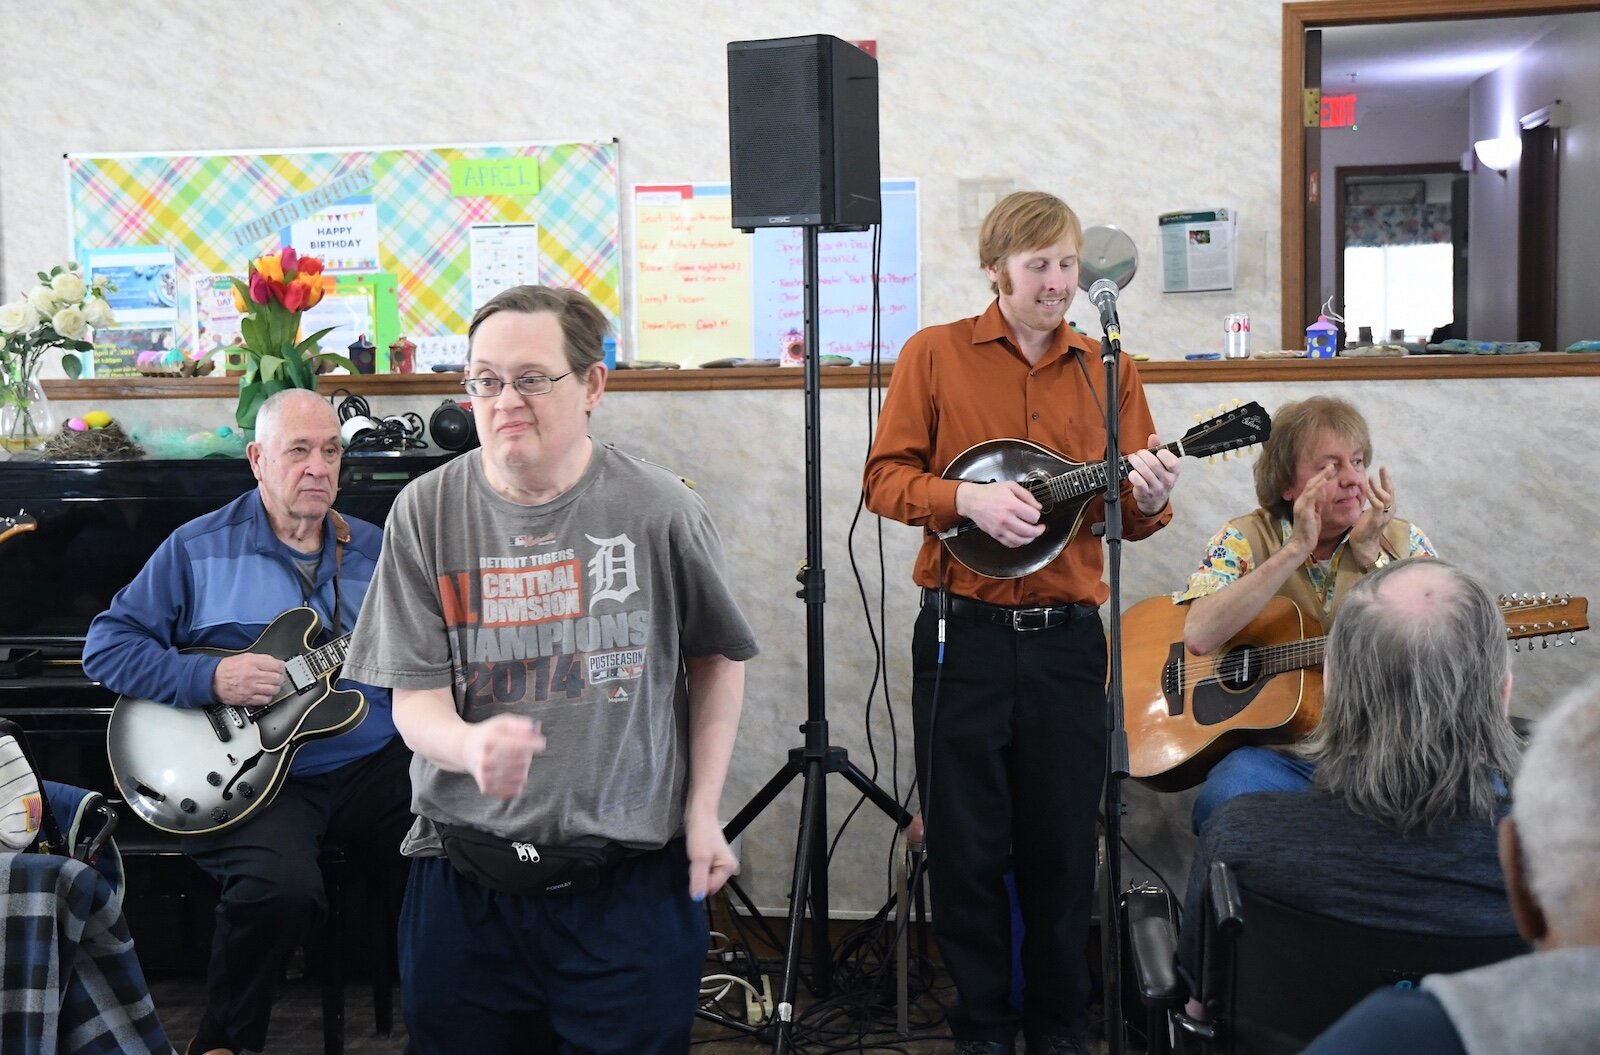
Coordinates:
(97, 419)
(77, 425)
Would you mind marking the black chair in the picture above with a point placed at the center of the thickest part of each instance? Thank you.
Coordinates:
(328, 943)
(1273, 977)
(343, 877)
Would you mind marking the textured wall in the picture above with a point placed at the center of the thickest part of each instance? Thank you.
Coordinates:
(1126, 110)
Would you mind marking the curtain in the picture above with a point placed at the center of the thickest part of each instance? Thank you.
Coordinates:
(1374, 226)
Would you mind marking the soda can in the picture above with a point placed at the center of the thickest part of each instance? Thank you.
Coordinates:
(1236, 336)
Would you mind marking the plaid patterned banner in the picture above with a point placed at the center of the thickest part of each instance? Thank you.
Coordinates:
(194, 204)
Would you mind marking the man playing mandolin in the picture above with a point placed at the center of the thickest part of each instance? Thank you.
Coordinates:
(1010, 773)
(219, 581)
(1323, 523)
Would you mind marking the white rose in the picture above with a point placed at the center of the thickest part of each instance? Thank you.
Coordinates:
(18, 317)
(68, 287)
(69, 322)
(97, 313)
(43, 299)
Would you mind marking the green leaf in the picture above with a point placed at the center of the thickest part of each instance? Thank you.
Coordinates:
(73, 366)
(306, 345)
(56, 270)
(271, 365)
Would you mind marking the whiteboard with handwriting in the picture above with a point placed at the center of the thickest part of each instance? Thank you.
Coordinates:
(703, 290)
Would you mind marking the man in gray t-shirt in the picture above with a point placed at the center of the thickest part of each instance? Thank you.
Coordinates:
(567, 666)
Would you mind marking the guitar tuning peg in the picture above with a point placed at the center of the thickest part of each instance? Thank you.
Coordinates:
(1199, 418)
(1236, 402)
(1516, 646)
(1544, 642)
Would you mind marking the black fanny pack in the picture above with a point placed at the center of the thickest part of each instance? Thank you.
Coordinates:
(513, 867)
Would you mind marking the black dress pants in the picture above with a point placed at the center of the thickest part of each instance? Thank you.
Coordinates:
(1011, 761)
(272, 886)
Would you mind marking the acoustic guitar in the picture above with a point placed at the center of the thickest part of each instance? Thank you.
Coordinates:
(193, 770)
(1063, 488)
(1263, 686)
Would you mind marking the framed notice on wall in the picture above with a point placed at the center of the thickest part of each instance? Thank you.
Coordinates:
(438, 224)
(703, 290)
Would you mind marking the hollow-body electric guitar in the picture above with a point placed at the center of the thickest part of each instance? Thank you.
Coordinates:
(1063, 488)
(195, 770)
(1185, 711)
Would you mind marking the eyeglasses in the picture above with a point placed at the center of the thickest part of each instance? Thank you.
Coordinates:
(527, 385)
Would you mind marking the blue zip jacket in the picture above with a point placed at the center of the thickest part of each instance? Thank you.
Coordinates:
(219, 581)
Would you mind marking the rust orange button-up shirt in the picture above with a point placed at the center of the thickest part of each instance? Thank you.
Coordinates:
(966, 382)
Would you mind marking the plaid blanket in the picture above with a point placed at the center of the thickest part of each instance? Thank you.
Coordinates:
(72, 983)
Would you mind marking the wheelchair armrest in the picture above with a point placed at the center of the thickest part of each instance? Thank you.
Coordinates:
(1227, 907)
(1154, 941)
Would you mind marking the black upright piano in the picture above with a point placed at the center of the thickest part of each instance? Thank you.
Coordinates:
(83, 531)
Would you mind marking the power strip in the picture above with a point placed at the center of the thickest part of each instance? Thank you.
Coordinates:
(758, 1012)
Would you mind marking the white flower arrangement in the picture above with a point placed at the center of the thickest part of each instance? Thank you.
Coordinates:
(57, 313)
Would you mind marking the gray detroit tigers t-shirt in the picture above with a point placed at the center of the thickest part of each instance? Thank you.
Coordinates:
(576, 613)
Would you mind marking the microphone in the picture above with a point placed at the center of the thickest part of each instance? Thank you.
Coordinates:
(1103, 295)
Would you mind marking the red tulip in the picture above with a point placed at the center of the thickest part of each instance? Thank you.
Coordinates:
(310, 265)
(288, 258)
(294, 296)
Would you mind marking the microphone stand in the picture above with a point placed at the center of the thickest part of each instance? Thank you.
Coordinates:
(1117, 737)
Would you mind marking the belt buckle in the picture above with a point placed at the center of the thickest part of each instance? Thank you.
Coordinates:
(1022, 619)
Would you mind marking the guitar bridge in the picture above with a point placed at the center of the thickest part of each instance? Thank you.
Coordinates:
(299, 674)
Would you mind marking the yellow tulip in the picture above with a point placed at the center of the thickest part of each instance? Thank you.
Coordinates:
(239, 303)
(270, 267)
(320, 286)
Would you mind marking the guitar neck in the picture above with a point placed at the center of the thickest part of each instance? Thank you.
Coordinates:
(328, 657)
(1296, 655)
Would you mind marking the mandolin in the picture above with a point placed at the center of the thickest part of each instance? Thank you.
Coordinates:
(1063, 488)
(1263, 686)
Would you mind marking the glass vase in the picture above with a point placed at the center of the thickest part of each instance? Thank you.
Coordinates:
(25, 416)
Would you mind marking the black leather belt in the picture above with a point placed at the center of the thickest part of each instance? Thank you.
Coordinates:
(1020, 619)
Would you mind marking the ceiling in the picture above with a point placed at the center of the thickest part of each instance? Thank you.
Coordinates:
(1430, 62)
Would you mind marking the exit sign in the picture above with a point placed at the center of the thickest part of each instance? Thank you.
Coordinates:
(1338, 111)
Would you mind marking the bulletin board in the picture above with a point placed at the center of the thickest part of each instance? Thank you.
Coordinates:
(438, 224)
(704, 290)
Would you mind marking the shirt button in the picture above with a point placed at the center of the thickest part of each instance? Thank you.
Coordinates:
(1036, 415)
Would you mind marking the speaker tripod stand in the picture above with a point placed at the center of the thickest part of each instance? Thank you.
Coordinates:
(816, 758)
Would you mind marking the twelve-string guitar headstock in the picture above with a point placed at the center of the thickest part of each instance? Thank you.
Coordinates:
(1545, 617)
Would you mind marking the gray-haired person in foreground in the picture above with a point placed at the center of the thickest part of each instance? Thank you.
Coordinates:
(1545, 1001)
(1412, 755)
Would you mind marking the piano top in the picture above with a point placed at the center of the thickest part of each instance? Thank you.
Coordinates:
(98, 522)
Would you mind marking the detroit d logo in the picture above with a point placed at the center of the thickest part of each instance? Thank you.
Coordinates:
(611, 570)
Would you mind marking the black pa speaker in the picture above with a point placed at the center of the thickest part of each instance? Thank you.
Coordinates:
(453, 427)
(803, 133)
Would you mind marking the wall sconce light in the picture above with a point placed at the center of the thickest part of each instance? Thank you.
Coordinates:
(1498, 154)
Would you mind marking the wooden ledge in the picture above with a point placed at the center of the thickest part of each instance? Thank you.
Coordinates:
(1154, 372)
